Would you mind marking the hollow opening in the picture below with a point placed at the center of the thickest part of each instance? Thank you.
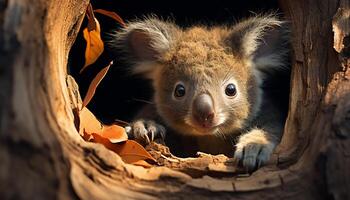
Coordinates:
(120, 96)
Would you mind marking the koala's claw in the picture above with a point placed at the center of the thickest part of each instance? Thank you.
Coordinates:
(146, 131)
(253, 156)
(254, 149)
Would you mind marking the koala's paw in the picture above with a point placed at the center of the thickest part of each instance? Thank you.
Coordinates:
(254, 149)
(145, 131)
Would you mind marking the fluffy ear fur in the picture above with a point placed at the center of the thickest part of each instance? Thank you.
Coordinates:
(145, 41)
(263, 40)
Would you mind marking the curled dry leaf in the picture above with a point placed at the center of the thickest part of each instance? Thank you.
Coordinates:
(89, 125)
(114, 133)
(90, 16)
(94, 44)
(94, 83)
(130, 151)
(112, 15)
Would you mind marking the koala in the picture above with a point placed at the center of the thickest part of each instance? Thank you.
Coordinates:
(208, 85)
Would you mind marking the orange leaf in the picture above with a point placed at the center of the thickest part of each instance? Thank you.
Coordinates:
(94, 83)
(114, 133)
(91, 18)
(88, 124)
(94, 44)
(113, 15)
(130, 151)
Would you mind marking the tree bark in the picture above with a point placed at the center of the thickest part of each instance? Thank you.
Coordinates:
(43, 156)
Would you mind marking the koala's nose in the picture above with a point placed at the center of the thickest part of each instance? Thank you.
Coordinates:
(203, 110)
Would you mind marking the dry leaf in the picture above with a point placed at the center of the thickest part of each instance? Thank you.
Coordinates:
(130, 151)
(90, 16)
(94, 44)
(113, 15)
(114, 133)
(88, 124)
(94, 83)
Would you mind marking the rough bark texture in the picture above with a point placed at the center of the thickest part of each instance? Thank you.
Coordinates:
(43, 156)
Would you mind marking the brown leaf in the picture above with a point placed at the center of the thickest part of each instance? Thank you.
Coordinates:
(94, 44)
(113, 15)
(94, 83)
(88, 124)
(130, 151)
(114, 133)
(90, 16)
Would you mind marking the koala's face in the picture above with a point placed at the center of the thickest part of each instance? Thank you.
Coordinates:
(201, 87)
(206, 81)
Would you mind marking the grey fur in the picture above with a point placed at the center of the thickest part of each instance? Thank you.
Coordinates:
(162, 34)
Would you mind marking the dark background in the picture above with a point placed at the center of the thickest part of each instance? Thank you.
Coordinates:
(118, 95)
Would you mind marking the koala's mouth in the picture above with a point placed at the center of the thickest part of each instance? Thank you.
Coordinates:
(196, 127)
(199, 129)
(206, 131)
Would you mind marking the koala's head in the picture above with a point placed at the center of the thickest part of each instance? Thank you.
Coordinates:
(206, 80)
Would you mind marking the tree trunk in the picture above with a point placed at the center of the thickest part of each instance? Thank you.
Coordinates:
(42, 154)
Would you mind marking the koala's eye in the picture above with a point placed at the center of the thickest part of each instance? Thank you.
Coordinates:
(230, 90)
(180, 91)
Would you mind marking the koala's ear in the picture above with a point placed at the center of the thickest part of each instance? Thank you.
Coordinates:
(146, 41)
(262, 39)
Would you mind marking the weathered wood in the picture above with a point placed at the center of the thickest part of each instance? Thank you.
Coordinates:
(42, 155)
(35, 39)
